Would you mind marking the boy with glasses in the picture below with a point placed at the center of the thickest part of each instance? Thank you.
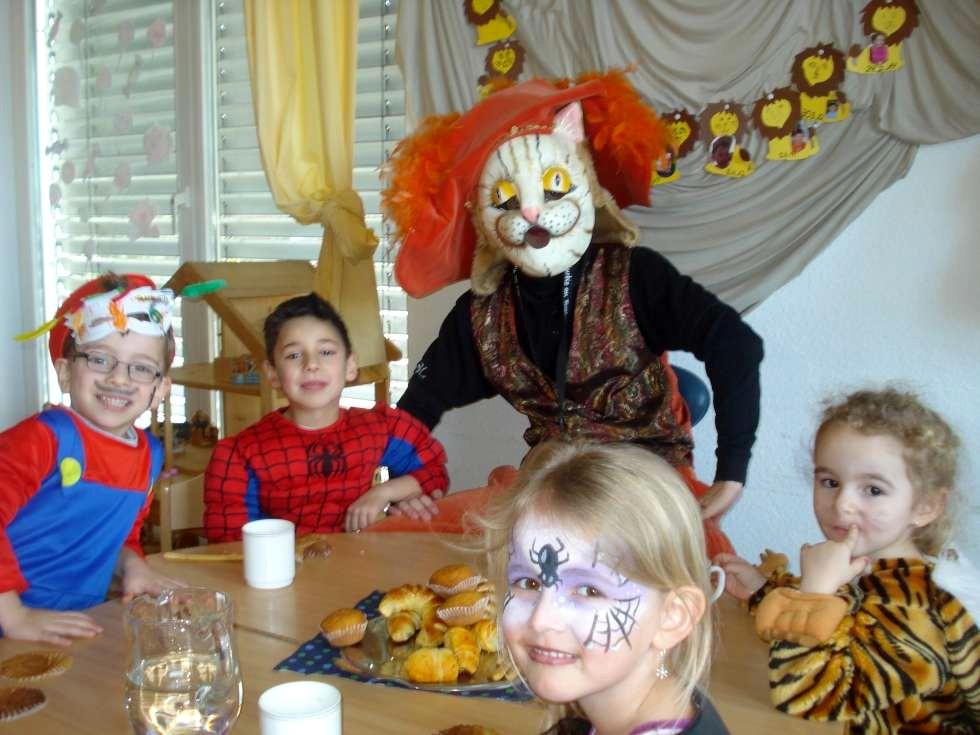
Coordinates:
(75, 483)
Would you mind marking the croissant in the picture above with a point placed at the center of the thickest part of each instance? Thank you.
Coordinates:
(486, 635)
(420, 600)
(432, 666)
(402, 625)
(463, 644)
(431, 634)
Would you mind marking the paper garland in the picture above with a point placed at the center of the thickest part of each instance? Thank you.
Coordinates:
(886, 23)
(777, 117)
(684, 131)
(505, 58)
(817, 73)
(722, 123)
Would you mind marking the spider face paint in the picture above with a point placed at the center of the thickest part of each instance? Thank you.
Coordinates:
(559, 580)
(575, 625)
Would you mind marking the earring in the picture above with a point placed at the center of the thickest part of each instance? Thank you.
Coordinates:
(662, 672)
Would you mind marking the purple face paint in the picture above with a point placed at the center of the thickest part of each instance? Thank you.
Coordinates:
(559, 579)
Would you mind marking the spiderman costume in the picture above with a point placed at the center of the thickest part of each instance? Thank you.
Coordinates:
(278, 469)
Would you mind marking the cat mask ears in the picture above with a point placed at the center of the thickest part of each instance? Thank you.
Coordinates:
(435, 171)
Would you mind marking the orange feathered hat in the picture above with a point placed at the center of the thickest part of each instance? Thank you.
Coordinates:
(435, 171)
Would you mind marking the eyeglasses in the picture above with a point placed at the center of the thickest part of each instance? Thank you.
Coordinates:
(99, 362)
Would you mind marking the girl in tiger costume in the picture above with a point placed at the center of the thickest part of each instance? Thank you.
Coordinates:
(877, 631)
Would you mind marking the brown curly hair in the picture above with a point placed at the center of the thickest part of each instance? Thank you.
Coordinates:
(931, 448)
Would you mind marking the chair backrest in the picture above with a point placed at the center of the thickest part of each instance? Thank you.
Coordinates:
(695, 393)
(181, 506)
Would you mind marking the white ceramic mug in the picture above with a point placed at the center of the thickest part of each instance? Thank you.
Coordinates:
(300, 708)
(719, 587)
(269, 547)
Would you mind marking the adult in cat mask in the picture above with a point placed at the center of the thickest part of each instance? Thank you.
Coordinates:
(565, 319)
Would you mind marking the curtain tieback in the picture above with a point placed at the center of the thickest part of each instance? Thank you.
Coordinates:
(343, 215)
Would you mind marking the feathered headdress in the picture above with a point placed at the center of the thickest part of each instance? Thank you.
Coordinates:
(435, 171)
(114, 303)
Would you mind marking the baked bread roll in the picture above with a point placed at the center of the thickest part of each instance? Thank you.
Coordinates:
(432, 666)
(431, 634)
(344, 627)
(453, 579)
(486, 635)
(402, 625)
(414, 597)
(462, 643)
(466, 608)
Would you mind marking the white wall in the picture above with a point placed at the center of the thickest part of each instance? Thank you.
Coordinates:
(895, 297)
(17, 385)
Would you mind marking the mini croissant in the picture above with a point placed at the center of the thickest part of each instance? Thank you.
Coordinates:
(402, 625)
(486, 635)
(462, 643)
(432, 666)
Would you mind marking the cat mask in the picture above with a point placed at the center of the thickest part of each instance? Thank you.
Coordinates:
(528, 176)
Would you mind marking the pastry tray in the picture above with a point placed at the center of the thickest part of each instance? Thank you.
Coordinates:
(378, 658)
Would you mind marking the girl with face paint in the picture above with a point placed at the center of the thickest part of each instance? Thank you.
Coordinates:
(600, 554)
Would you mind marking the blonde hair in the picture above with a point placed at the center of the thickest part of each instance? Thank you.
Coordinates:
(628, 494)
(930, 449)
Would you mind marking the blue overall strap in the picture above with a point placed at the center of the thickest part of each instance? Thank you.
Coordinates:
(68, 536)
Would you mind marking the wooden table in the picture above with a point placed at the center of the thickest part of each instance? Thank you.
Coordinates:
(272, 623)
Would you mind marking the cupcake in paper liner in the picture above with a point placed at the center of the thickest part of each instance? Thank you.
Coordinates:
(453, 579)
(466, 608)
(35, 665)
(20, 702)
(344, 627)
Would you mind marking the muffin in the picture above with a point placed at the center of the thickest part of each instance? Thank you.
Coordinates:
(453, 579)
(344, 627)
(466, 608)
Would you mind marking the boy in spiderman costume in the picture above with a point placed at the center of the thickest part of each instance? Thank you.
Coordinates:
(313, 462)
(75, 483)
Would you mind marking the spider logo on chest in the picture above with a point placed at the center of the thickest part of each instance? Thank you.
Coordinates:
(325, 460)
(548, 558)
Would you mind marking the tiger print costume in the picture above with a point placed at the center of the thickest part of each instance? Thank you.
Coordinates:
(890, 653)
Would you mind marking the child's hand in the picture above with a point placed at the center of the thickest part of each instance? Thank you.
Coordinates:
(720, 497)
(742, 580)
(422, 508)
(57, 627)
(365, 510)
(828, 565)
(139, 579)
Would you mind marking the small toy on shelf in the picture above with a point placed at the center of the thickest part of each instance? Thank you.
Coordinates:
(243, 371)
(202, 433)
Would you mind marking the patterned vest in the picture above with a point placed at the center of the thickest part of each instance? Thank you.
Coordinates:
(616, 390)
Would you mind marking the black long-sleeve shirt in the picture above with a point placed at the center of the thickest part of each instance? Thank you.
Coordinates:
(673, 313)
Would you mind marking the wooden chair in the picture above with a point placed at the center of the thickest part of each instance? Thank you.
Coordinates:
(181, 507)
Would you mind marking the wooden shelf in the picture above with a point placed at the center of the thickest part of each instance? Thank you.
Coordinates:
(192, 460)
(203, 375)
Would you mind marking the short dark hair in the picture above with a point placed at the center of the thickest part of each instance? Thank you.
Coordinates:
(115, 282)
(311, 304)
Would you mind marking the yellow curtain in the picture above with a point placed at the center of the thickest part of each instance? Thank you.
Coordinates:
(303, 60)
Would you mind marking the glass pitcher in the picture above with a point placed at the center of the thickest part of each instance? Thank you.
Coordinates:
(182, 672)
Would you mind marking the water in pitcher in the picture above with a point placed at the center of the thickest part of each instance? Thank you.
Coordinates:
(181, 694)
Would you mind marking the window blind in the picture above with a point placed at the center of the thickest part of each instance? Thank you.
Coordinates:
(106, 68)
(251, 227)
(109, 110)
